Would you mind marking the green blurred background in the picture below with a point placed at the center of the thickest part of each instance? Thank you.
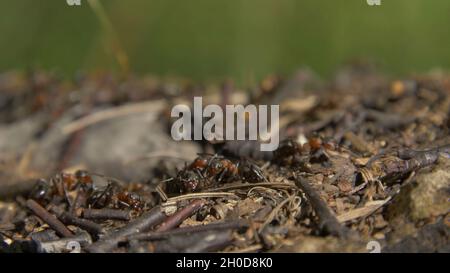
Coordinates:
(215, 39)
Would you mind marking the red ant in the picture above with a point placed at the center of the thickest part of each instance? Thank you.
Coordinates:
(215, 167)
(188, 181)
(131, 200)
(204, 171)
(290, 151)
(117, 197)
(59, 186)
(44, 191)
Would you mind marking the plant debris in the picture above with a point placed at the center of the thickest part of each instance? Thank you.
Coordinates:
(362, 158)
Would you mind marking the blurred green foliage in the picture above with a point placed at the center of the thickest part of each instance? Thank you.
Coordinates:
(214, 39)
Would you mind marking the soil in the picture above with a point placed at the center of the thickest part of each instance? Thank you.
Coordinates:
(89, 165)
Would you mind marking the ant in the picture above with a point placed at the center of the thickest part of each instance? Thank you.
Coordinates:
(42, 191)
(59, 185)
(189, 181)
(209, 169)
(131, 200)
(288, 148)
(250, 172)
(116, 197)
(215, 167)
(290, 151)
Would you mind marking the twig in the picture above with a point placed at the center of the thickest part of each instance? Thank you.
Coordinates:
(251, 185)
(157, 235)
(132, 108)
(161, 193)
(178, 218)
(328, 221)
(141, 224)
(89, 226)
(200, 195)
(423, 155)
(50, 219)
(106, 214)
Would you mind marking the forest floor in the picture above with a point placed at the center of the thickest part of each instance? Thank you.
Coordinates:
(89, 165)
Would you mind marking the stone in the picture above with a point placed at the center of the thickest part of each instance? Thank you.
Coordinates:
(427, 196)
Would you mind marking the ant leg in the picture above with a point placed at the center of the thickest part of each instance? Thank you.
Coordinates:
(258, 172)
(236, 172)
(262, 176)
(123, 204)
(102, 194)
(221, 175)
(202, 176)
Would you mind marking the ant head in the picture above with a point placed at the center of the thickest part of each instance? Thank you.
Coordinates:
(68, 179)
(83, 177)
(41, 191)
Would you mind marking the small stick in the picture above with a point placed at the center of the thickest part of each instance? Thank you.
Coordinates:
(251, 185)
(106, 214)
(178, 218)
(328, 221)
(72, 244)
(426, 155)
(50, 219)
(158, 235)
(161, 193)
(128, 109)
(422, 160)
(87, 225)
(200, 195)
(143, 223)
